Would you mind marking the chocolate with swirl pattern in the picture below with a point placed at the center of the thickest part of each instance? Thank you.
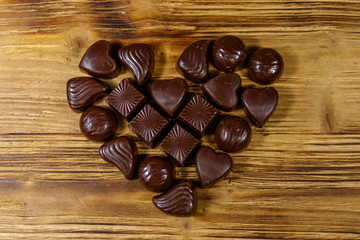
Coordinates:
(82, 92)
(123, 153)
(179, 200)
(138, 58)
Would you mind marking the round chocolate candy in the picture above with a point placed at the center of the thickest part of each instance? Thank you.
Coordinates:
(156, 173)
(232, 134)
(98, 124)
(228, 53)
(265, 66)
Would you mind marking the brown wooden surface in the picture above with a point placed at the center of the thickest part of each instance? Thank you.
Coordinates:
(299, 178)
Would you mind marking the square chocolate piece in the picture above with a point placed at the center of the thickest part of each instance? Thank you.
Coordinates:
(198, 114)
(125, 98)
(179, 144)
(148, 124)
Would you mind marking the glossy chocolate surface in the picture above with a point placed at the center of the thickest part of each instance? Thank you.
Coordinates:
(265, 66)
(228, 53)
(223, 90)
(194, 61)
(126, 99)
(198, 114)
(148, 124)
(180, 200)
(98, 124)
(82, 92)
(169, 94)
(138, 58)
(211, 166)
(98, 61)
(259, 104)
(179, 144)
(232, 134)
(156, 173)
(121, 152)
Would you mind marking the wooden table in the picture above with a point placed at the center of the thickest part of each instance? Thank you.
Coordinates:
(299, 178)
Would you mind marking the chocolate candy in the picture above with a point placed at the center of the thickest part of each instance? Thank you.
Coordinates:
(179, 144)
(138, 58)
(123, 153)
(198, 114)
(265, 66)
(228, 53)
(98, 124)
(82, 92)
(98, 61)
(211, 166)
(194, 61)
(148, 124)
(126, 99)
(259, 104)
(232, 134)
(223, 90)
(156, 173)
(169, 95)
(179, 200)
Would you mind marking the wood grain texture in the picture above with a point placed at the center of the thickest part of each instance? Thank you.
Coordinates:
(299, 178)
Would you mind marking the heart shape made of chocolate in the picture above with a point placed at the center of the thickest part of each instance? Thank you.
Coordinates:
(259, 104)
(211, 166)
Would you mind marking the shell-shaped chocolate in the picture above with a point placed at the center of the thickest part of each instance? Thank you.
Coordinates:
(194, 61)
(139, 58)
(179, 200)
(82, 92)
(123, 153)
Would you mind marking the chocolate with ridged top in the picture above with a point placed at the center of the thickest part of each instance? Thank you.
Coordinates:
(194, 61)
(156, 173)
(98, 61)
(228, 53)
(138, 58)
(82, 92)
(180, 200)
(98, 123)
(122, 152)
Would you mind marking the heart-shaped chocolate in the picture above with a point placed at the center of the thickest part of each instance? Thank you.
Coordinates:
(83, 92)
(259, 104)
(98, 62)
(169, 94)
(211, 166)
(179, 200)
(138, 58)
(223, 90)
(123, 153)
(194, 61)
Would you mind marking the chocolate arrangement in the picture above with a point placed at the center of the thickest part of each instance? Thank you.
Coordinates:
(164, 114)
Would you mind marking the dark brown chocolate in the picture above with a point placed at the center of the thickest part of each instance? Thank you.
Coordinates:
(98, 124)
(121, 152)
(180, 200)
(232, 134)
(198, 114)
(228, 53)
(148, 124)
(193, 63)
(138, 58)
(211, 166)
(156, 173)
(169, 94)
(126, 99)
(259, 104)
(179, 144)
(223, 90)
(82, 92)
(98, 61)
(265, 66)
